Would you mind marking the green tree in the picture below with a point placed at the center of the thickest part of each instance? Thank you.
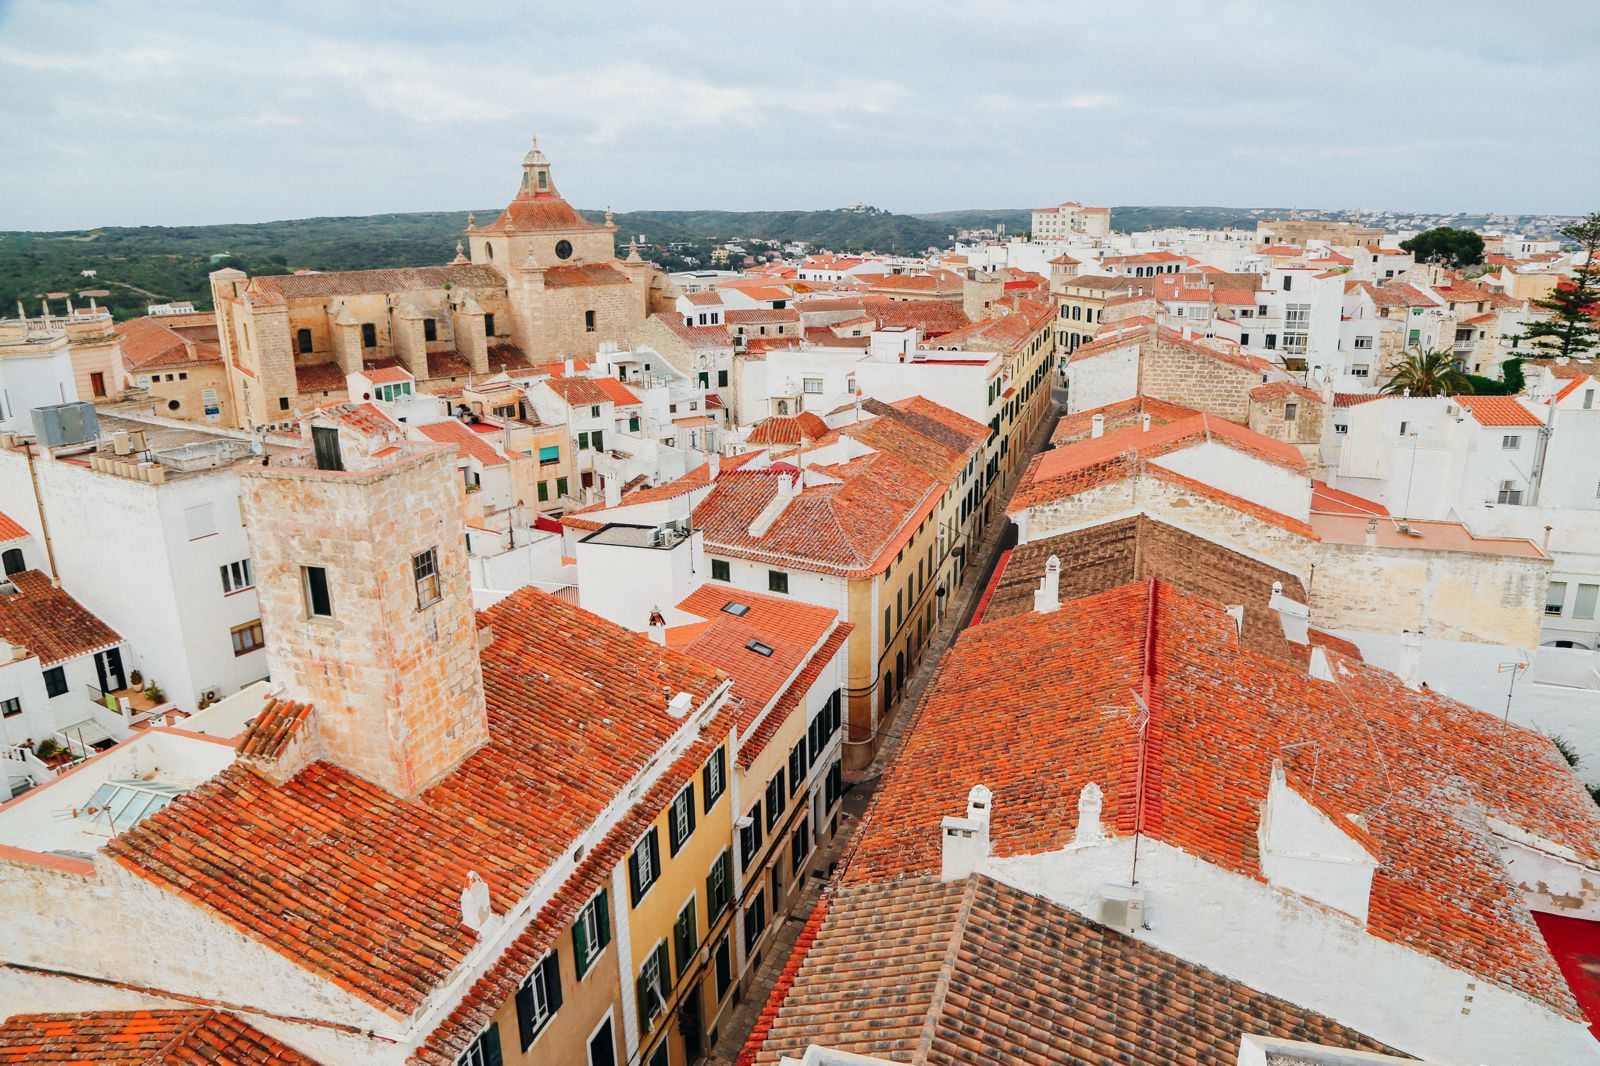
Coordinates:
(1444, 244)
(1572, 305)
(1428, 373)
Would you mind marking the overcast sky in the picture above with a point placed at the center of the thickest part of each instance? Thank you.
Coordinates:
(165, 113)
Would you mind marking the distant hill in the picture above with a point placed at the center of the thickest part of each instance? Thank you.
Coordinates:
(146, 264)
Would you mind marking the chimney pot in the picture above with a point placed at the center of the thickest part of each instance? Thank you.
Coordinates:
(966, 840)
(1145, 421)
(680, 705)
(1097, 426)
(1047, 597)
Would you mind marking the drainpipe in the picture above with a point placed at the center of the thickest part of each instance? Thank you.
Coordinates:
(44, 525)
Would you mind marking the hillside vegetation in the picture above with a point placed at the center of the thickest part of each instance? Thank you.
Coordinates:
(139, 265)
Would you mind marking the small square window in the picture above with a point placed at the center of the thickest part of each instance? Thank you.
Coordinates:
(425, 572)
(777, 581)
(719, 570)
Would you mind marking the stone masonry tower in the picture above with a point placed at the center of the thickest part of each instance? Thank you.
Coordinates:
(361, 571)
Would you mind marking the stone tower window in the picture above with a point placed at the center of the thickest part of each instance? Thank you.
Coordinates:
(430, 329)
(369, 335)
(319, 602)
(588, 321)
(488, 325)
(425, 571)
(563, 248)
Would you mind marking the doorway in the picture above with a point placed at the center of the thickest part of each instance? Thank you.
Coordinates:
(108, 665)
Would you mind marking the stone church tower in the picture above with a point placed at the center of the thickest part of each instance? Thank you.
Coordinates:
(567, 289)
(360, 565)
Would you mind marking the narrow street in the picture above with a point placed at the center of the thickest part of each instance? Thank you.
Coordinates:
(860, 786)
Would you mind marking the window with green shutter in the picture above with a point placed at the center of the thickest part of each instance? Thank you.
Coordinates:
(680, 819)
(598, 440)
(776, 800)
(550, 453)
(538, 999)
(750, 838)
(644, 866)
(544, 491)
(484, 1051)
(652, 986)
(686, 937)
(719, 885)
(591, 931)
(714, 778)
(583, 441)
(561, 486)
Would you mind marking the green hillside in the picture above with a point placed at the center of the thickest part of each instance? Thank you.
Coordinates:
(145, 264)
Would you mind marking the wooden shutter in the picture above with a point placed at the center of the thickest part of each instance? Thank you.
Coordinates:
(633, 875)
(602, 917)
(580, 942)
(655, 853)
(491, 1045)
(550, 973)
(525, 1017)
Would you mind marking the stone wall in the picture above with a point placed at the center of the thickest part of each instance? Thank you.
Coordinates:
(1180, 375)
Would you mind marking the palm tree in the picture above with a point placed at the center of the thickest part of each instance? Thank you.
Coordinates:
(1428, 373)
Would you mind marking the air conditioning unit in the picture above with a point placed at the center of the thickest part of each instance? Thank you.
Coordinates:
(1122, 908)
(211, 694)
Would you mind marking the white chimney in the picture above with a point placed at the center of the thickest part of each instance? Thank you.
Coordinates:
(966, 840)
(1097, 426)
(1146, 423)
(1410, 657)
(1047, 597)
(613, 490)
(475, 912)
(1089, 830)
(1372, 533)
(680, 705)
(658, 631)
(713, 465)
(785, 486)
(569, 367)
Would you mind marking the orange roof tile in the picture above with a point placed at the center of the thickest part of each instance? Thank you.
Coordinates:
(48, 622)
(788, 429)
(576, 710)
(1055, 693)
(616, 391)
(1498, 411)
(468, 444)
(141, 1038)
(11, 529)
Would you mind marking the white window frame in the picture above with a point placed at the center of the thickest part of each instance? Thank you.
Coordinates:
(237, 576)
(1511, 442)
(811, 386)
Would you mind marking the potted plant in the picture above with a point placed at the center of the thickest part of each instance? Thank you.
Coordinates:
(153, 691)
(135, 679)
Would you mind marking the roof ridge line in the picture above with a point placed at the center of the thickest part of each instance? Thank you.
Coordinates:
(182, 1035)
(941, 987)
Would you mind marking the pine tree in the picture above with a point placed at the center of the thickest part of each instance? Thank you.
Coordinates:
(1573, 305)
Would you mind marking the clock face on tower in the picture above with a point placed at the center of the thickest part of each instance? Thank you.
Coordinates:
(563, 249)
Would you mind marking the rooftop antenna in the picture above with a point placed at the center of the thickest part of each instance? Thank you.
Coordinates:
(1515, 669)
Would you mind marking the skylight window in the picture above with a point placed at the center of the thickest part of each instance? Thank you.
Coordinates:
(735, 608)
(121, 805)
(759, 648)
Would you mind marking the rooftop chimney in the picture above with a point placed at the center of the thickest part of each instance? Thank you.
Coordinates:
(966, 840)
(680, 705)
(569, 367)
(1089, 830)
(1410, 670)
(475, 910)
(1097, 426)
(613, 490)
(1145, 422)
(1047, 597)
(713, 465)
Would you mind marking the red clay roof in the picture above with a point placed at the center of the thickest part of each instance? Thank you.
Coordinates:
(527, 213)
(1329, 500)
(578, 391)
(469, 444)
(696, 337)
(581, 274)
(1129, 412)
(788, 429)
(1055, 694)
(616, 391)
(1062, 471)
(576, 710)
(148, 343)
(1276, 389)
(141, 1038)
(49, 622)
(11, 529)
(852, 529)
(1498, 411)
(319, 377)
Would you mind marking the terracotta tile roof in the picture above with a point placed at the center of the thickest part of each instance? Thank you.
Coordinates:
(270, 731)
(319, 377)
(491, 991)
(11, 529)
(696, 337)
(1498, 411)
(752, 745)
(1054, 693)
(919, 442)
(920, 410)
(448, 364)
(1113, 554)
(852, 529)
(1392, 295)
(1354, 399)
(694, 481)
(362, 888)
(1068, 469)
(578, 275)
(577, 390)
(975, 971)
(1575, 368)
(1329, 500)
(141, 1038)
(468, 444)
(49, 622)
(148, 343)
(788, 429)
(616, 391)
(1282, 389)
(753, 316)
(1117, 416)
(934, 317)
(527, 213)
(507, 358)
(1008, 333)
(704, 298)
(388, 375)
(388, 279)
(792, 630)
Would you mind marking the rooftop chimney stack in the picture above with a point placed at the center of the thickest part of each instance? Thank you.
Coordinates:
(1145, 422)
(569, 367)
(713, 465)
(613, 490)
(1411, 657)
(966, 840)
(1097, 426)
(1047, 597)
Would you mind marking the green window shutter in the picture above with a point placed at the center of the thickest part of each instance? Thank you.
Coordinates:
(602, 918)
(550, 971)
(598, 440)
(491, 1045)
(550, 454)
(634, 888)
(580, 942)
(544, 491)
(664, 966)
(561, 486)
(525, 1013)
